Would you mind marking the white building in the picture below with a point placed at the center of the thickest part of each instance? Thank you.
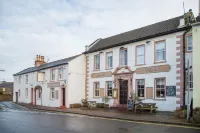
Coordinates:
(55, 84)
(148, 61)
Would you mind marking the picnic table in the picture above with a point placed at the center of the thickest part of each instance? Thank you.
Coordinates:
(145, 106)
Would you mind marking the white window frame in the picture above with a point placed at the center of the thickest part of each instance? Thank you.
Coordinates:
(123, 60)
(39, 93)
(160, 50)
(164, 97)
(52, 93)
(188, 43)
(140, 55)
(60, 75)
(26, 92)
(109, 63)
(27, 79)
(96, 64)
(140, 88)
(53, 73)
(96, 89)
(109, 84)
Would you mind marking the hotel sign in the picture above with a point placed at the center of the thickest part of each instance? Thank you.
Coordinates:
(101, 75)
(153, 69)
(53, 84)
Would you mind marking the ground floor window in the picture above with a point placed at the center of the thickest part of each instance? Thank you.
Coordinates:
(52, 93)
(140, 84)
(96, 89)
(39, 93)
(26, 92)
(160, 88)
(109, 88)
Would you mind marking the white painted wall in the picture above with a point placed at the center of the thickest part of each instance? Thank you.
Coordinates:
(170, 103)
(76, 86)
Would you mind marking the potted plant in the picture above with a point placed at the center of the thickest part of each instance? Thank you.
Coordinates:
(105, 100)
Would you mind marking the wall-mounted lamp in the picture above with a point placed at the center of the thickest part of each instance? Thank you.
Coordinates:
(147, 42)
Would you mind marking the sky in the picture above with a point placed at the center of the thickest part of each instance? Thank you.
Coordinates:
(59, 29)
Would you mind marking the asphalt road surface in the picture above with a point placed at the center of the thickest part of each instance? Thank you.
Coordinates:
(16, 119)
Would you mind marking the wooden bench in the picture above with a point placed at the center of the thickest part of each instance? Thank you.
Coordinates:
(145, 106)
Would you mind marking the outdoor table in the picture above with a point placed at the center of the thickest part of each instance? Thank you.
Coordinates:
(145, 106)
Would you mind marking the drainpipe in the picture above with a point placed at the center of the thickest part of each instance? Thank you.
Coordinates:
(184, 73)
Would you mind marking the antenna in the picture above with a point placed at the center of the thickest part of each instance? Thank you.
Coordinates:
(184, 7)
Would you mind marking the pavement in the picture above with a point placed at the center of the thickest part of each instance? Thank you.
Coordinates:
(159, 117)
(24, 120)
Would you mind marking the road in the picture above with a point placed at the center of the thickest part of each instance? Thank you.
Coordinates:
(16, 119)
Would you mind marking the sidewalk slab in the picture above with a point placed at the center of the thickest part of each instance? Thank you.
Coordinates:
(122, 115)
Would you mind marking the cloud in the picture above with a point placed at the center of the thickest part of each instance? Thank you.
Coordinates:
(61, 28)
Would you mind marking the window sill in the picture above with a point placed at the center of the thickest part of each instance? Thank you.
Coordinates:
(96, 97)
(160, 62)
(96, 70)
(140, 64)
(160, 99)
(108, 68)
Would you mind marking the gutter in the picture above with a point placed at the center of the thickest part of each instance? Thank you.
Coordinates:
(184, 73)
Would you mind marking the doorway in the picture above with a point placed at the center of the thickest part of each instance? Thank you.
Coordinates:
(63, 94)
(16, 93)
(123, 92)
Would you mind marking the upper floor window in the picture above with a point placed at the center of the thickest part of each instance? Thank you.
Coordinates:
(140, 86)
(97, 62)
(60, 73)
(160, 51)
(26, 78)
(191, 80)
(160, 88)
(109, 60)
(123, 57)
(96, 89)
(189, 43)
(140, 55)
(20, 78)
(41, 76)
(53, 75)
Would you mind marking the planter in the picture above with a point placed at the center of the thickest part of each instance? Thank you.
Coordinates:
(180, 113)
(100, 105)
(106, 105)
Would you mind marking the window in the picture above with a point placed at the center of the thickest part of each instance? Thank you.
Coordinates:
(189, 43)
(41, 76)
(109, 88)
(109, 60)
(39, 93)
(140, 57)
(97, 62)
(26, 92)
(26, 78)
(53, 75)
(96, 89)
(160, 87)
(160, 51)
(19, 81)
(60, 74)
(191, 80)
(140, 85)
(52, 93)
(123, 57)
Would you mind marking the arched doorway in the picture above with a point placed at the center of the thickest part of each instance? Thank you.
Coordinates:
(37, 94)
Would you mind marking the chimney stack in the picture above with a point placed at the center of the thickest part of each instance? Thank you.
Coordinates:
(39, 60)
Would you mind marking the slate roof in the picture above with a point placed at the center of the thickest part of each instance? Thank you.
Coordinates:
(6, 85)
(147, 32)
(47, 65)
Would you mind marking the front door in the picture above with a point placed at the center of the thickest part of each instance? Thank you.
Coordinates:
(16, 94)
(63, 96)
(123, 92)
